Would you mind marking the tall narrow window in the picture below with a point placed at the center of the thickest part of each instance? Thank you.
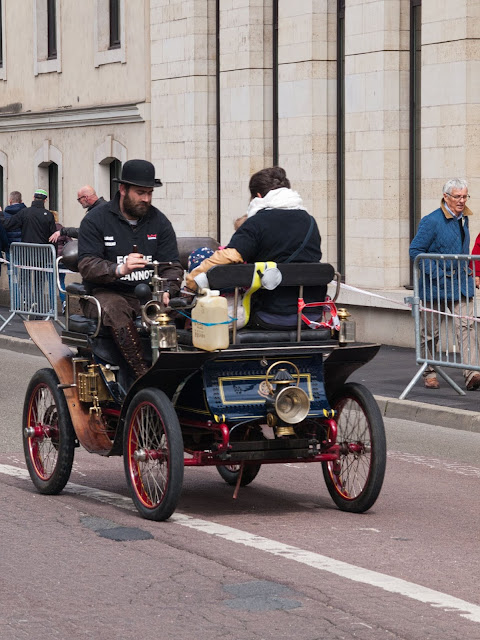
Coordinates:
(415, 114)
(115, 172)
(53, 186)
(2, 203)
(52, 29)
(341, 136)
(1, 36)
(114, 17)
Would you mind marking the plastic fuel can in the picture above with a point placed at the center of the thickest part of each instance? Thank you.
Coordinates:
(211, 308)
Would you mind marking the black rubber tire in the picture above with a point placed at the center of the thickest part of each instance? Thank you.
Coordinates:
(49, 456)
(230, 473)
(357, 484)
(152, 425)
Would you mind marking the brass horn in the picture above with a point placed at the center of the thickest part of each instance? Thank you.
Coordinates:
(153, 312)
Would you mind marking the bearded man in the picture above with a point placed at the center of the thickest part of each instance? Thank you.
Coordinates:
(116, 242)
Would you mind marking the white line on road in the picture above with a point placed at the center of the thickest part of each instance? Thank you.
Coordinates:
(314, 560)
(435, 463)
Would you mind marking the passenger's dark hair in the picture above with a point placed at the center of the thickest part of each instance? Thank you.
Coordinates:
(267, 179)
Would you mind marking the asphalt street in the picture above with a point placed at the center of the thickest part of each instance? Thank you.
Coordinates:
(280, 561)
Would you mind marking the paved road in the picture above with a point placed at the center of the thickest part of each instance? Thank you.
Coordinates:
(279, 562)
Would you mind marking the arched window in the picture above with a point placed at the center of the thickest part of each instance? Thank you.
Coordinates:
(53, 186)
(2, 201)
(115, 172)
(109, 159)
(48, 175)
(3, 179)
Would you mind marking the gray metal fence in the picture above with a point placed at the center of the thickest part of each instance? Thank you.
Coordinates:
(33, 277)
(444, 307)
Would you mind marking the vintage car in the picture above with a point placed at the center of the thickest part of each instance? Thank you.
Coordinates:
(269, 397)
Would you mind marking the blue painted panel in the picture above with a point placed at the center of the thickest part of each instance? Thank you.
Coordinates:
(236, 389)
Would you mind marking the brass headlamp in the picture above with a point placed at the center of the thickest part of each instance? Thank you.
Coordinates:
(288, 404)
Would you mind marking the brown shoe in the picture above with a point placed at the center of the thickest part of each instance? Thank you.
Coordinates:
(473, 381)
(431, 383)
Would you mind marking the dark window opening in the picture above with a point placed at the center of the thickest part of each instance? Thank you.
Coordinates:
(114, 17)
(341, 137)
(52, 29)
(1, 36)
(115, 172)
(415, 146)
(2, 203)
(53, 186)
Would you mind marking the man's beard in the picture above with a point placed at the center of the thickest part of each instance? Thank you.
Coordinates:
(134, 210)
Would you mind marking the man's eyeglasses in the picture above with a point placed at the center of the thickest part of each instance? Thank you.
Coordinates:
(458, 197)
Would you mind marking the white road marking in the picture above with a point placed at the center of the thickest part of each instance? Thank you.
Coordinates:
(435, 463)
(314, 560)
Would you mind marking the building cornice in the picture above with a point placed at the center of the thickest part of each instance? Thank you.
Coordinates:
(67, 118)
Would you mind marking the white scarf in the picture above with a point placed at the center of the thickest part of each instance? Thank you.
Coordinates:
(282, 198)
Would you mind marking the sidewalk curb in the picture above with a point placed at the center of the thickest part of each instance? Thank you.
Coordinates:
(20, 345)
(429, 414)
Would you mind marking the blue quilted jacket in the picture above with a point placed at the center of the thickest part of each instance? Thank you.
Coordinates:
(439, 232)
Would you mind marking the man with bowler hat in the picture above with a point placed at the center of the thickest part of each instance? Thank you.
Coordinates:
(116, 243)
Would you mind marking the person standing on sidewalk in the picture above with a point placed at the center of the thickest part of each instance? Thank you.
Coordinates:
(88, 198)
(15, 205)
(445, 231)
(36, 222)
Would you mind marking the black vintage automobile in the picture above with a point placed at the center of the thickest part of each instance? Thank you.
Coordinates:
(270, 397)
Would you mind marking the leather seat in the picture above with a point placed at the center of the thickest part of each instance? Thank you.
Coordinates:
(261, 336)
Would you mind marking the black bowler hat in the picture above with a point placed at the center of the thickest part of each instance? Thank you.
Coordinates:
(139, 173)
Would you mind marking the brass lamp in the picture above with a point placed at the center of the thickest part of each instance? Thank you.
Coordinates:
(288, 404)
(347, 329)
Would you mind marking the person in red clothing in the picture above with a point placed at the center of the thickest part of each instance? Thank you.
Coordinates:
(476, 264)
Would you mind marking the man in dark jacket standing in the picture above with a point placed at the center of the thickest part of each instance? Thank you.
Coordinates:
(116, 243)
(36, 222)
(15, 205)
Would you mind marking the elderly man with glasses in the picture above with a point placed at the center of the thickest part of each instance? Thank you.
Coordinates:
(445, 231)
(88, 198)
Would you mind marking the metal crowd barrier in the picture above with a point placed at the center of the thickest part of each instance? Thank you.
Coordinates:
(33, 276)
(446, 331)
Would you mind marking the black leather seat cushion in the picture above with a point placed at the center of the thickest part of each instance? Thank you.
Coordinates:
(87, 326)
(262, 336)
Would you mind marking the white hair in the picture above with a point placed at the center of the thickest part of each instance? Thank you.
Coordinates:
(454, 183)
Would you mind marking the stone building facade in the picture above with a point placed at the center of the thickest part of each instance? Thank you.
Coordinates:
(370, 105)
